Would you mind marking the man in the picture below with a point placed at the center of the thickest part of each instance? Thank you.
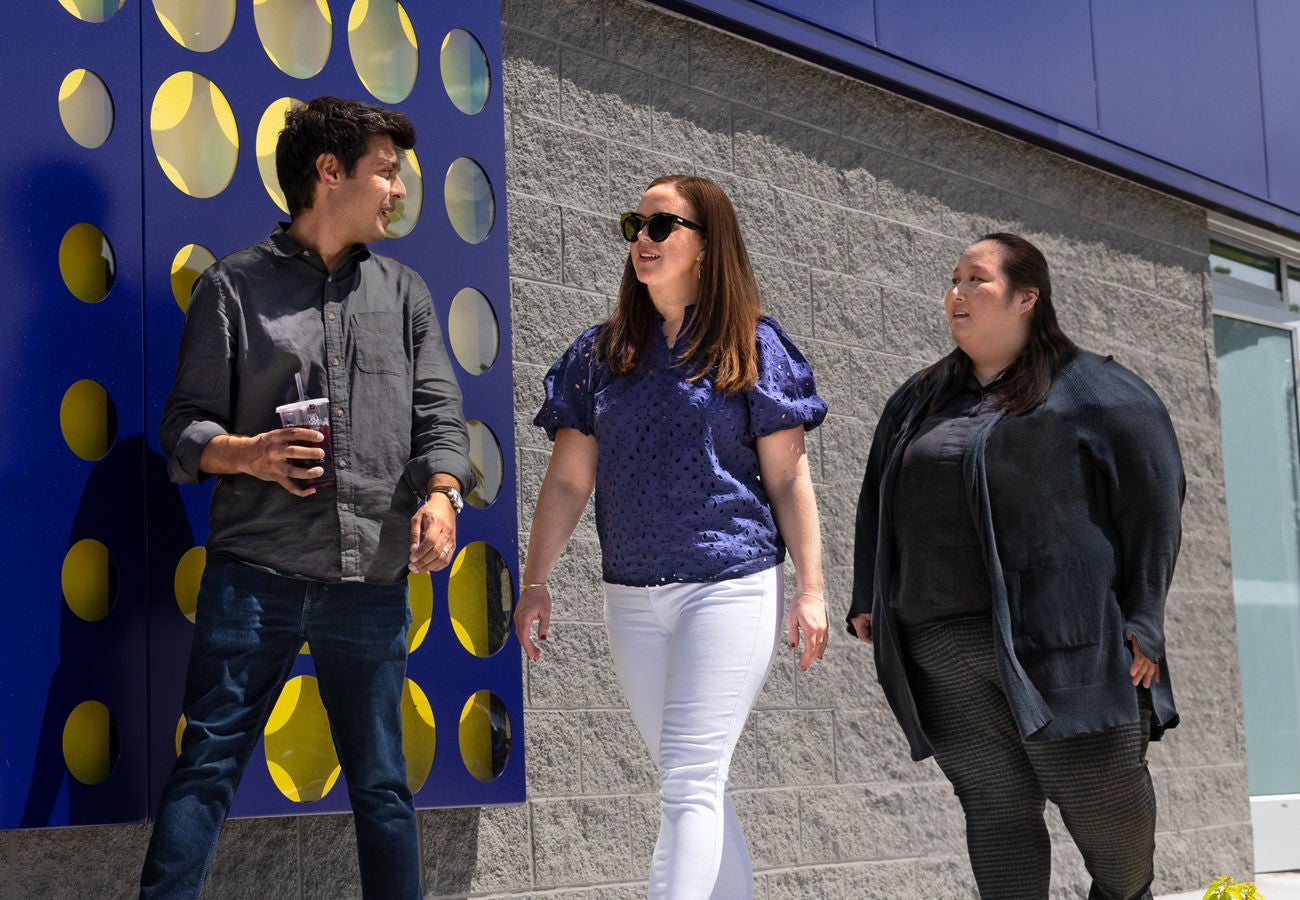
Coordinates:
(289, 563)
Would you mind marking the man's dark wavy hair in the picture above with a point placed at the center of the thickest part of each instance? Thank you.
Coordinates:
(331, 125)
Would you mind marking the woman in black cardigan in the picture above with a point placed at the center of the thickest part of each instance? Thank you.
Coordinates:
(1016, 537)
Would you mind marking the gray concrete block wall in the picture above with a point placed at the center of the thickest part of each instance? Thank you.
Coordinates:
(855, 203)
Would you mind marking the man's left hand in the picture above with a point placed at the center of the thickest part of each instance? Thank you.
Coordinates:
(433, 535)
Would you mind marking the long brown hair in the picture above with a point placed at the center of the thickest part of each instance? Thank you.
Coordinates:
(722, 335)
(1046, 353)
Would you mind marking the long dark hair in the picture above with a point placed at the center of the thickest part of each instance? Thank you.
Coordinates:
(722, 336)
(1029, 378)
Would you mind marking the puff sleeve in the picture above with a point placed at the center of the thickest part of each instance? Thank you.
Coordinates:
(570, 388)
(785, 394)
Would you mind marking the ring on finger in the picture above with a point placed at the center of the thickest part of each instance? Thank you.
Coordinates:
(446, 550)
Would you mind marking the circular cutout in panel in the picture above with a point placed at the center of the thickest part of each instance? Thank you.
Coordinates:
(474, 332)
(194, 134)
(90, 742)
(296, 34)
(299, 746)
(87, 262)
(197, 26)
(484, 735)
(407, 211)
(88, 419)
(419, 735)
(419, 597)
(93, 10)
(465, 74)
(89, 580)
(480, 594)
(485, 457)
(187, 265)
(383, 47)
(189, 574)
(268, 133)
(470, 203)
(85, 108)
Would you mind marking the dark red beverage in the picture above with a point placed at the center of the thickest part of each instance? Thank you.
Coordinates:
(327, 463)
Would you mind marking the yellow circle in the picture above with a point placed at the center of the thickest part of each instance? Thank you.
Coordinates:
(480, 595)
(473, 331)
(419, 735)
(201, 27)
(89, 580)
(489, 466)
(88, 419)
(407, 210)
(180, 733)
(296, 34)
(90, 742)
(268, 134)
(299, 745)
(467, 193)
(87, 262)
(93, 10)
(420, 599)
(187, 265)
(465, 74)
(384, 50)
(85, 108)
(189, 573)
(194, 134)
(484, 735)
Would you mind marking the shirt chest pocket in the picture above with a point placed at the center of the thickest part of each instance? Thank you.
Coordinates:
(379, 343)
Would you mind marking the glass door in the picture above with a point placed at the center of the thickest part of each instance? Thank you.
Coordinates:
(1261, 461)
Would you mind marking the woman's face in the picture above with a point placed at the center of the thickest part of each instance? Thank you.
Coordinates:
(986, 315)
(673, 263)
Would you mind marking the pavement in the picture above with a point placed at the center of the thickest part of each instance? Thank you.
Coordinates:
(1271, 886)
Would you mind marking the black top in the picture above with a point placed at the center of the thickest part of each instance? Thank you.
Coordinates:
(1077, 506)
(366, 337)
(940, 563)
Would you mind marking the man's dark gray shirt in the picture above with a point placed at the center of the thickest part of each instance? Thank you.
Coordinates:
(365, 336)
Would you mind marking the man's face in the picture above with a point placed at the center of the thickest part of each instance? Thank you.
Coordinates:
(368, 197)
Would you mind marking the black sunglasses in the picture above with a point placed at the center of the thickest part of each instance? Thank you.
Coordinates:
(657, 226)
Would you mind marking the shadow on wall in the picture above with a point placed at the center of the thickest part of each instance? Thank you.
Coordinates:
(112, 510)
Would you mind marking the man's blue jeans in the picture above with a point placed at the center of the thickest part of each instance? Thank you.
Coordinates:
(248, 629)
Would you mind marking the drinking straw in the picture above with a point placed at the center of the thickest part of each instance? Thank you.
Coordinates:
(297, 378)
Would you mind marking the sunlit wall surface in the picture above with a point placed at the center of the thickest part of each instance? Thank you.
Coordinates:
(148, 133)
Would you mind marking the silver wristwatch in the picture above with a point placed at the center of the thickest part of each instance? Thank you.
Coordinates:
(457, 501)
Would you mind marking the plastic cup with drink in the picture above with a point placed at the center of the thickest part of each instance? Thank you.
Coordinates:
(313, 414)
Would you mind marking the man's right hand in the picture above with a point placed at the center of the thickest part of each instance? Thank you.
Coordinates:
(269, 456)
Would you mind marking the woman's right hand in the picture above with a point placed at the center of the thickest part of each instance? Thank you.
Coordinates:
(534, 606)
(862, 626)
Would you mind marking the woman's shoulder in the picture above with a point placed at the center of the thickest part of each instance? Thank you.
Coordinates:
(1106, 381)
(768, 332)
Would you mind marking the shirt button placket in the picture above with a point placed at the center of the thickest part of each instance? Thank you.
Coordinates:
(339, 388)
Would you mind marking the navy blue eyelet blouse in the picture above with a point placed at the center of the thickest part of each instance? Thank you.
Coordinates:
(678, 493)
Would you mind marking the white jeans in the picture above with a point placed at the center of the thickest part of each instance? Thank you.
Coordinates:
(692, 659)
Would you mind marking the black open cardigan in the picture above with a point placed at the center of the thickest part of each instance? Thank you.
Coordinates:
(1078, 506)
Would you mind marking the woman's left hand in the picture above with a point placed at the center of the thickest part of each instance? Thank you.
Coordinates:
(1143, 670)
(808, 614)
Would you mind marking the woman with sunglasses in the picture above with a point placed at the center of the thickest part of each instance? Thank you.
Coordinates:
(1016, 536)
(686, 412)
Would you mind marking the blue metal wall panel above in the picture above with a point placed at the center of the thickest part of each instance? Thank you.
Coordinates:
(1279, 67)
(1191, 96)
(855, 20)
(1039, 55)
(1180, 81)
